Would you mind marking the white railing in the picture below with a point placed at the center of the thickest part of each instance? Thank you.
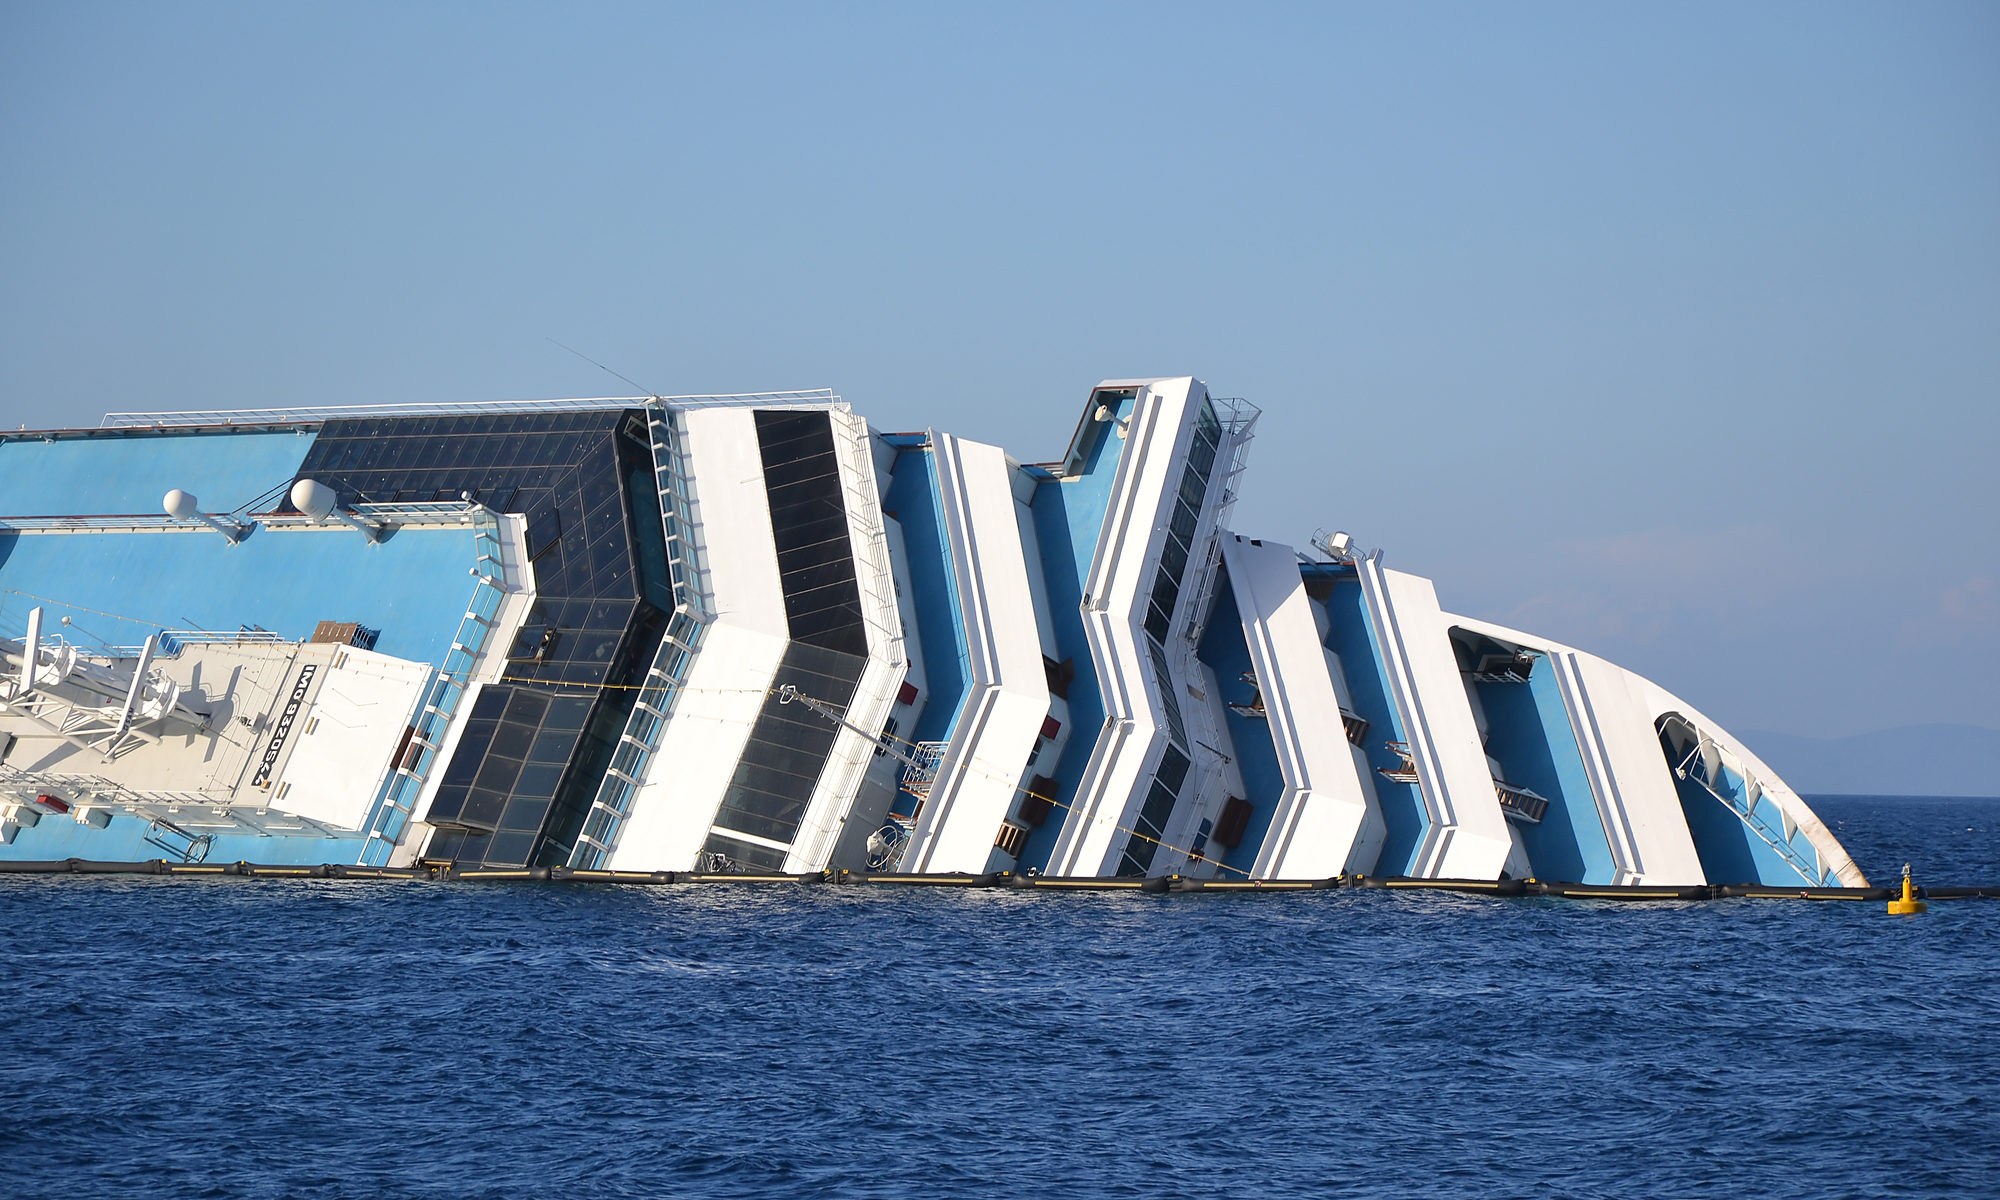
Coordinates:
(402, 782)
(82, 793)
(673, 662)
(1238, 419)
(864, 509)
(1709, 765)
(810, 399)
(450, 512)
(170, 643)
(920, 772)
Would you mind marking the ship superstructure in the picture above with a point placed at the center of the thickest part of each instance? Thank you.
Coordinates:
(754, 633)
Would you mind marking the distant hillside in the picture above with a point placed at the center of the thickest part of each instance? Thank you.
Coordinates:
(1917, 760)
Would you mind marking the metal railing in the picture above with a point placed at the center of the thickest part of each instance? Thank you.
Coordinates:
(920, 772)
(82, 793)
(673, 662)
(169, 643)
(1520, 802)
(1705, 765)
(1403, 772)
(1238, 418)
(103, 523)
(810, 398)
(864, 507)
(402, 782)
(416, 512)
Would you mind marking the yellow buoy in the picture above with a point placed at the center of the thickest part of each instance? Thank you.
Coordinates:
(1908, 905)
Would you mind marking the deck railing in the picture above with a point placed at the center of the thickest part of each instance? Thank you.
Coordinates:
(1705, 764)
(672, 663)
(407, 512)
(1519, 802)
(811, 398)
(921, 770)
(403, 782)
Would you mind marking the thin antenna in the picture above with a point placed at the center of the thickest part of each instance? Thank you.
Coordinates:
(607, 370)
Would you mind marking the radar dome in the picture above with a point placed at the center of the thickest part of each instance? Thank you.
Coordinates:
(180, 505)
(313, 498)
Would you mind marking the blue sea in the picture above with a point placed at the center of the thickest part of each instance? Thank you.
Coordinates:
(245, 1037)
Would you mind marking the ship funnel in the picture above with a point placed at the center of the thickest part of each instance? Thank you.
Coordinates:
(183, 506)
(318, 501)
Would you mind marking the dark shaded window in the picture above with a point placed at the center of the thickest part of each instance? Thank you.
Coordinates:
(584, 482)
(789, 743)
(1060, 675)
(1039, 802)
(809, 527)
(1234, 822)
(1154, 814)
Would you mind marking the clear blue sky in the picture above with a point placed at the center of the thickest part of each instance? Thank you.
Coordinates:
(1672, 330)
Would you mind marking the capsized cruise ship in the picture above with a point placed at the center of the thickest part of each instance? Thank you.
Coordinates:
(755, 634)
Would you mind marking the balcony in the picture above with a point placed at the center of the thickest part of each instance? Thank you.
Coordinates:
(1503, 668)
(1519, 804)
(921, 768)
(1404, 771)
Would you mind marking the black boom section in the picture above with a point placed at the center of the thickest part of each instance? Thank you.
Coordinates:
(788, 746)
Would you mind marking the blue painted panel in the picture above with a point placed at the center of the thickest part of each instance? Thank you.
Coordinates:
(1087, 496)
(130, 473)
(917, 503)
(413, 586)
(1351, 635)
(1225, 651)
(1729, 850)
(1528, 731)
(1069, 522)
(124, 840)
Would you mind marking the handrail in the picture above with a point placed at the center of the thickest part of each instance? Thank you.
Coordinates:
(673, 660)
(411, 512)
(87, 791)
(813, 398)
(921, 771)
(170, 642)
(1530, 805)
(864, 506)
(1712, 765)
(401, 783)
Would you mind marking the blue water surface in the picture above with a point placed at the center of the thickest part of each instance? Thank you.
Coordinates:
(241, 1037)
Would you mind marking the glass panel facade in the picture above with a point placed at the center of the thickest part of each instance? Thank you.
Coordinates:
(1177, 550)
(529, 761)
(1169, 702)
(1175, 555)
(788, 746)
(1151, 825)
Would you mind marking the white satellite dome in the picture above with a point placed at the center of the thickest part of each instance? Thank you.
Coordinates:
(314, 499)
